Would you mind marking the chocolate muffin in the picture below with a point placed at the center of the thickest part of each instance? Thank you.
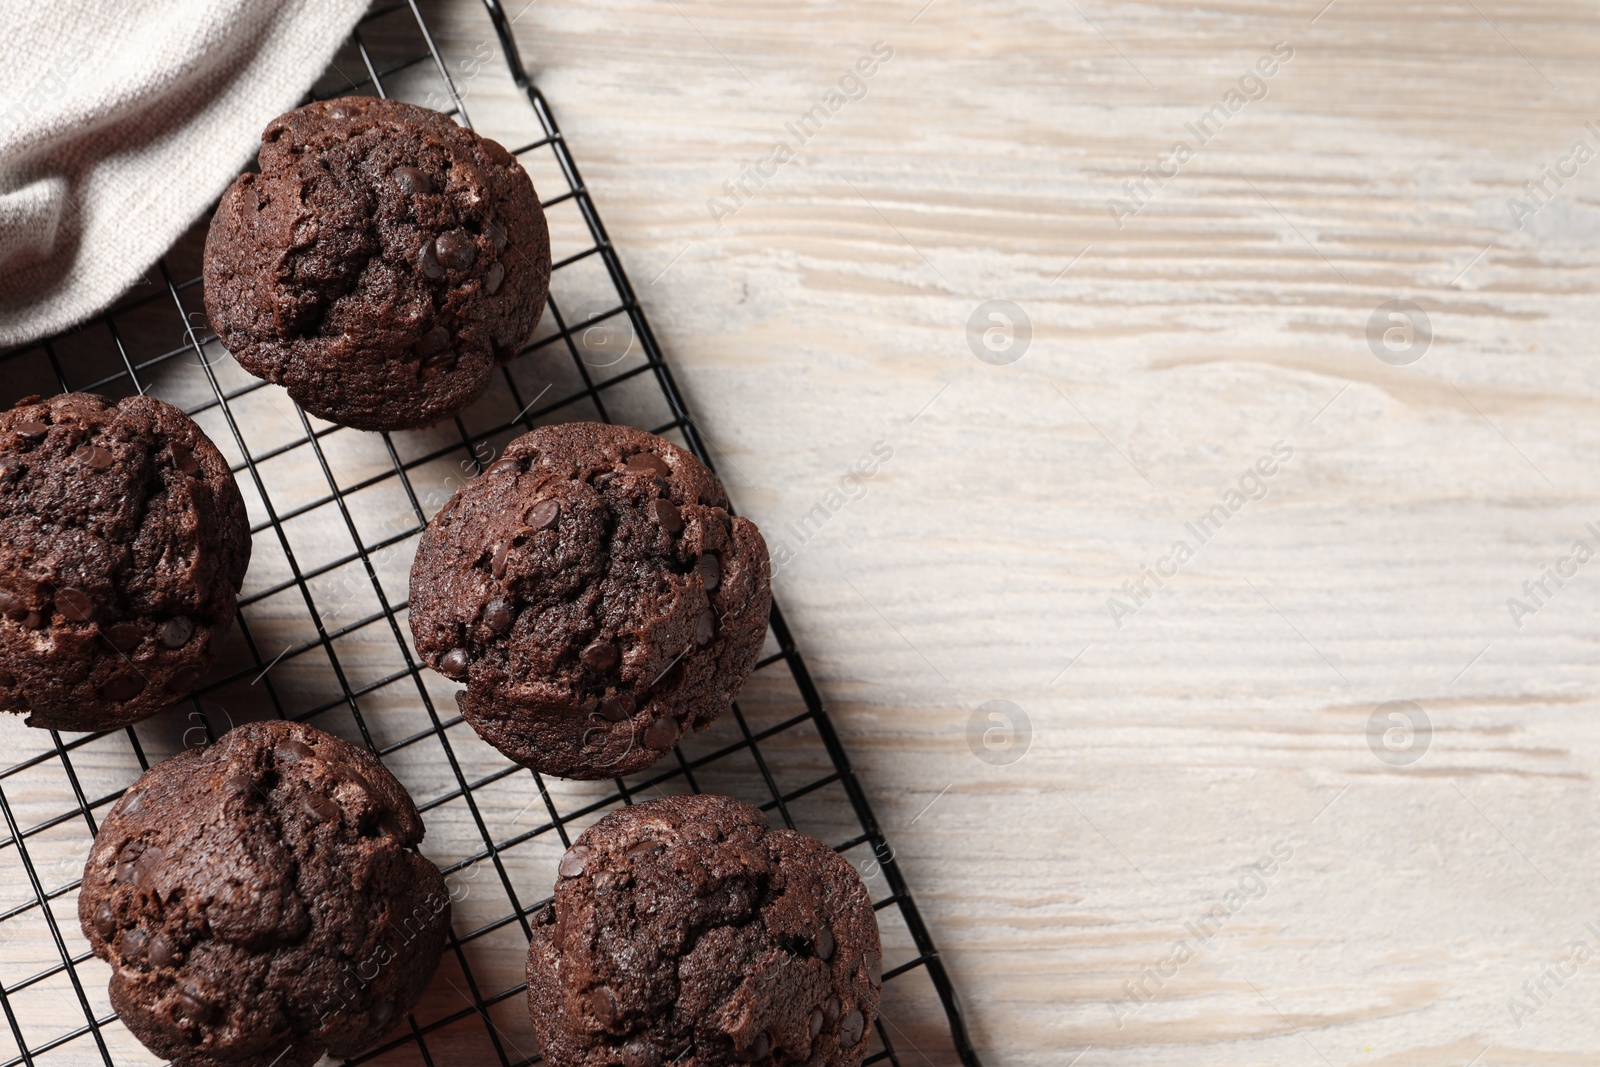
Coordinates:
(594, 594)
(261, 901)
(380, 265)
(123, 543)
(685, 931)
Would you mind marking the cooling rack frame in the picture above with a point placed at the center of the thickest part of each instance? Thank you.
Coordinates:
(197, 349)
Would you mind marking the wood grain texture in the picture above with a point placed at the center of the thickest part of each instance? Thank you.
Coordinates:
(1095, 897)
(1230, 713)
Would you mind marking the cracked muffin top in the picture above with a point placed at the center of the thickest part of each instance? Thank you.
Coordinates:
(123, 544)
(594, 594)
(685, 931)
(380, 265)
(261, 901)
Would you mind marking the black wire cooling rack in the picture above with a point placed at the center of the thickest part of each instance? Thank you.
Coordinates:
(322, 638)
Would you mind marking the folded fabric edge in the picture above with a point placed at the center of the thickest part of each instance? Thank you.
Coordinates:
(113, 254)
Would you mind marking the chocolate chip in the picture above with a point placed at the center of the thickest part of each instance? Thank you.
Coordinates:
(503, 464)
(617, 707)
(238, 784)
(758, 1049)
(646, 849)
(75, 604)
(124, 636)
(123, 686)
(648, 461)
(456, 249)
(320, 808)
(11, 605)
(639, 1053)
(184, 459)
(494, 278)
(667, 515)
(94, 456)
(435, 340)
(183, 680)
(824, 944)
(497, 565)
(600, 656)
(127, 861)
(851, 1027)
(428, 261)
(105, 923)
(573, 862)
(454, 664)
(543, 515)
(498, 236)
(709, 567)
(439, 361)
(830, 1009)
(159, 951)
(603, 1004)
(705, 628)
(497, 616)
(661, 735)
(131, 802)
(145, 868)
(195, 1008)
(411, 181)
(359, 780)
(382, 1012)
(874, 962)
(135, 945)
(338, 112)
(176, 631)
(816, 1022)
(291, 751)
(31, 428)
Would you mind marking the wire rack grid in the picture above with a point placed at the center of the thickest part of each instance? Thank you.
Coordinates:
(322, 636)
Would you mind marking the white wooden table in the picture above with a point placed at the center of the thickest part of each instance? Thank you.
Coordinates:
(1228, 715)
(1200, 837)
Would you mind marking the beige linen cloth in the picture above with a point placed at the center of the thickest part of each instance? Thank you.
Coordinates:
(121, 121)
